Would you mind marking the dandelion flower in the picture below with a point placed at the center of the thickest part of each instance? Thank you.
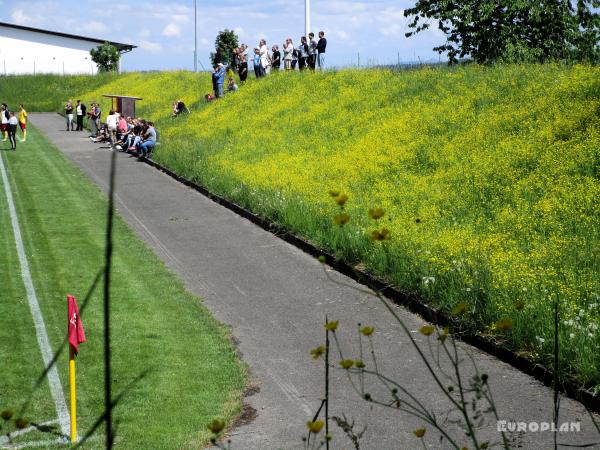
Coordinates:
(346, 363)
(332, 326)
(376, 213)
(367, 331)
(427, 330)
(315, 426)
(504, 324)
(317, 352)
(419, 432)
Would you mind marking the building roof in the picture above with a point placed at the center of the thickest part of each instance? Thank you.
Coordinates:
(119, 46)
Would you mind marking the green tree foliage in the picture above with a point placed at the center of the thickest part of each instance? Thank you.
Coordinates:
(512, 30)
(106, 57)
(225, 43)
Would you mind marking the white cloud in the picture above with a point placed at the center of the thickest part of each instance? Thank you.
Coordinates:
(181, 18)
(392, 30)
(342, 35)
(20, 18)
(171, 30)
(152, 47)
(95, 27)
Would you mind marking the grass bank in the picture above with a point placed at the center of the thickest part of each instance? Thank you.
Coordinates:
(194, 372)
(489, 178)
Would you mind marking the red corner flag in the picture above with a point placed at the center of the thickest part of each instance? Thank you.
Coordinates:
(76, 333)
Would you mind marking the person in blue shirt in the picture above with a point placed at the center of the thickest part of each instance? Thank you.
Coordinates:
(219, 79)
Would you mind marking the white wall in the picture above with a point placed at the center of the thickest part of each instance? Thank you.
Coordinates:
(26, 52)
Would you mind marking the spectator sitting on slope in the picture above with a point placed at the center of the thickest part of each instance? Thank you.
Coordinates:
(231, 86)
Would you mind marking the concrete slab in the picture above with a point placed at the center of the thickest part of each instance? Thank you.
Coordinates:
(275, 298)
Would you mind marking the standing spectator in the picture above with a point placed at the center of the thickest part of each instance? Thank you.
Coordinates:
(312, 51)
(219, 79)
(243, 68)
(80, 110)
(276, 59)
(288, 51)
(12, 131)
(112, 121)
(92, 114)
(321, 46)
(4, 121)
(295, 57)
(98, 116)
(69, 114)
(302, 53)
(23, 121)
(256, 62)
(265, 59)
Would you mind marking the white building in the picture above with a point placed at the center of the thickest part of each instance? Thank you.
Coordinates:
(26, 50)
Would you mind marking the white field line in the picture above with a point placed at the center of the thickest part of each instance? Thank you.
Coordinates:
(53, 442)
(38, 319)
(5, 439)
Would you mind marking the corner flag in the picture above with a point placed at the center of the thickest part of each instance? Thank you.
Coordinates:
(76, 333)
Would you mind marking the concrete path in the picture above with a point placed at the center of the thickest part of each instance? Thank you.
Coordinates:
(275, 298)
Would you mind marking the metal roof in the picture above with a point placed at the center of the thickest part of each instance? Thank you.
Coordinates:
(119, 46)
(121, 96)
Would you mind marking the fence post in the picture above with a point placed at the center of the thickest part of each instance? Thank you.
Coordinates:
(358, 59)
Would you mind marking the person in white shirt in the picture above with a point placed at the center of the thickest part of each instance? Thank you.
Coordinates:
(265, 59)
(111, 123)
(12, 131)
(288, 51)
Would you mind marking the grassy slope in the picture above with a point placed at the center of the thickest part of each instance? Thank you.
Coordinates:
(489, 177)
(194, 372)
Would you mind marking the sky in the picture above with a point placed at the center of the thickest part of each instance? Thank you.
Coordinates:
(371, 30)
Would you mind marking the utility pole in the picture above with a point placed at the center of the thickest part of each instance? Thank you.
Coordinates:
(195, 39)
(306, 17)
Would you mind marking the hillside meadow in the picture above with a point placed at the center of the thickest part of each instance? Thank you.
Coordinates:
(488, 176)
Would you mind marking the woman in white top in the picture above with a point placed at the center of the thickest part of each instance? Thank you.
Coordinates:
(288, 51)
(111, 123)
(265, 60)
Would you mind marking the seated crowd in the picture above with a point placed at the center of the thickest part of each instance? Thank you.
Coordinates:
(127, 133)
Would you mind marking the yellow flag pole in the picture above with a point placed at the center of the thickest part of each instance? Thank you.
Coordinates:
(73, 394)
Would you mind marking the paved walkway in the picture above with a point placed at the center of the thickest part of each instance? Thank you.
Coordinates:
(275, 298)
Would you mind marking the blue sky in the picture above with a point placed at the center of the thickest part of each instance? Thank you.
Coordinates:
(164, 31)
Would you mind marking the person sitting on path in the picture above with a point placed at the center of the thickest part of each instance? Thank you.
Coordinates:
(149, 141)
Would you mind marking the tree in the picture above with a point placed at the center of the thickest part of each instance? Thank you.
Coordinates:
(512, 30)
(225, 43)
(106, 57)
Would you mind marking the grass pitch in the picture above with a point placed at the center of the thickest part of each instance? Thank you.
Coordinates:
(194, 372)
